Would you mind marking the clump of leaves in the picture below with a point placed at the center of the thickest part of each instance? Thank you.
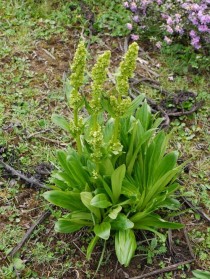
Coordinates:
(118, 173)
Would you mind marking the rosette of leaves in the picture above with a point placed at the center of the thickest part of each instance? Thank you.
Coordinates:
(120, 174)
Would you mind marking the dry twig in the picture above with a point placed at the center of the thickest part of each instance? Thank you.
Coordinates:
(158, 108)
(37, 133)
(51, 140)
(186, 112)
(170, 242)
(163, 270)
(152, 83)
(40, 220)
(187, 239)
(197, 210)
(30, 180)
(49, 53)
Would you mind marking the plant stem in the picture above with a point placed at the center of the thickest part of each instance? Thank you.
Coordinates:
(76, 117)
(95, 117)
(79, 145)
(78, 141)
(116, 129)
(101, 259)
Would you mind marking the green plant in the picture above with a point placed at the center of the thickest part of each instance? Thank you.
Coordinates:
(42, 254)
(117, 174)
(201, 274)
(202, 240)
(112, 17)
(183, 59)
(9, 236)
(152, 249)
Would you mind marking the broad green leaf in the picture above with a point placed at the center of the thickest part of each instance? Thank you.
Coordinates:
(102, 230)
(156, 221)
(144, 115)
(100, 201)
(134, 105)
(66, 226)
(122, 223)
(106, 105)
(77, 172)
(117, 179)
(167, 163)
(67, 89)
(125, 246)
(170, 203)
(161, 236)
(62, 160)
(171, 188)
(157, 122)
(91, 246)
(108, 130)
(129, 189)
(81, 222)
(18, 263)
(146, 136)
(106, 167)
(66, 178)
(61, 122)
(131, 142)
(126, 127)
(67, 200)
(80, 215)
(86, 198)
(155, 153)
(138, 216)
(113, 214)
(201, 274)
(107, 188)
(73, 171)
(160, 185)
(61, 184)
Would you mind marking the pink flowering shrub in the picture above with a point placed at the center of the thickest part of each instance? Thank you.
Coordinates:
(173, 19)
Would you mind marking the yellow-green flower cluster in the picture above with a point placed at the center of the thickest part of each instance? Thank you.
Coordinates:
(75, 99)
(99, 75)
(96, 142)
(77, 76)
(126, 69)
(115, 147)
(119, 107)
(76, 129)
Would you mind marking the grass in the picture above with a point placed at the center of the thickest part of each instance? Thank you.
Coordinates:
(31, 82)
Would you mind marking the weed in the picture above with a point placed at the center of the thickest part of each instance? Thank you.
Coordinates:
(202, 243)
(126, 143)
(9, 236)
(112, 18)
(154, 247)
(182, 59)
(42, 254)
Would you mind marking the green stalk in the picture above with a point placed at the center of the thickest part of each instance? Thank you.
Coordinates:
(76, 117)
(101, 259)
(116, 129)
(78, 141)
(79, 145)
(95, 117)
